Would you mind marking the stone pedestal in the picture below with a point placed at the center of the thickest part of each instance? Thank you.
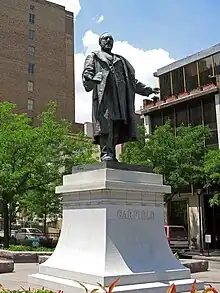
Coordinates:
(113, 227)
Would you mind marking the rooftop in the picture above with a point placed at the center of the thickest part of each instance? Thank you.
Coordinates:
(52, 4)
(189, 59)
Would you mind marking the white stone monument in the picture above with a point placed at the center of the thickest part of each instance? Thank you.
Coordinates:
(113, 227)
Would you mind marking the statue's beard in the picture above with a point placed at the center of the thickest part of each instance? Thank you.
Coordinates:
(107, 47)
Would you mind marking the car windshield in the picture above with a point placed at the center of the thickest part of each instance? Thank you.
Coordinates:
(32, 230)
(178, 233)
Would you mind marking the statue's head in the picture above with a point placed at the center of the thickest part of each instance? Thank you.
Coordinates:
(106, 42)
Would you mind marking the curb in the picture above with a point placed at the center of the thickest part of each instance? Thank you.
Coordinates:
(208, 258)
(6, 266)
(196, 266)
(22, 256)
(42, 258)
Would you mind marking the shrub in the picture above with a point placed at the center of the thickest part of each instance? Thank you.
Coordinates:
(109, 289)
(22, 290)
(29, 248)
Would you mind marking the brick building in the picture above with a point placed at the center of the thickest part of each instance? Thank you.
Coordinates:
(190, 95)
(36, 56)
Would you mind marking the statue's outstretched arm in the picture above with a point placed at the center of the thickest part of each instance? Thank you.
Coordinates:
(142, 89)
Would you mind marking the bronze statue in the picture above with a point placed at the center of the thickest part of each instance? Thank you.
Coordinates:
(112, 79)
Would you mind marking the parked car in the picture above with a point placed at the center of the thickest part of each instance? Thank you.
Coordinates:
(28, 234)
(177, 237)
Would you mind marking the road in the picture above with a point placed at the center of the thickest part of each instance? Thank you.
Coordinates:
(210, 277)
(18, 279)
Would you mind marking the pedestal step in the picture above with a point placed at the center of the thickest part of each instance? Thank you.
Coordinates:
(70, 286)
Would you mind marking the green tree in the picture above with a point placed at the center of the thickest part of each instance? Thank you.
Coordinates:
(212, 171)
(177, 155)
(33, 157)
(42, 203)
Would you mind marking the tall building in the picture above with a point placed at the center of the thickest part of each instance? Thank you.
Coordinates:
(36, 56)
(190, 95)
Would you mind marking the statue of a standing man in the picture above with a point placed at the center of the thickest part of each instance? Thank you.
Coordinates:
(112, 79)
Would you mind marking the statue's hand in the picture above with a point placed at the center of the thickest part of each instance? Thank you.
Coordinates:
(98, 77)
(155, 90)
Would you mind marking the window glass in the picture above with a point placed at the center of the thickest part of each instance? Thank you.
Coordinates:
(178, 81)
(205, 70)
(195, 113)
(216, 58)
(181, 115)
(191, 76)
(31, 50)
(31, 18)
(209, 112)
(213, 140)
(168, 115)
(177, 233)
(30, 105)
(165, 85)
(31, 68)
(31, 35)
(30, 86)
(156, 120)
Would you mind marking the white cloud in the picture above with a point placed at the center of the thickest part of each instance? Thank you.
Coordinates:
(70, 5)
(144, 62)
(100, 19)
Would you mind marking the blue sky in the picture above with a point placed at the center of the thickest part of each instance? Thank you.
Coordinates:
(149, 33)
(179, 27)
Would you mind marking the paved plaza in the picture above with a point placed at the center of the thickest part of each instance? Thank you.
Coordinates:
(19, 277)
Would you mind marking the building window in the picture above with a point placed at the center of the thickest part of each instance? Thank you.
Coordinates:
(31, 18)
(30, 105)
(181, 115)
(31, 121)
(195, 113)
(178, 81)
(31, 68)
(209, 112)
(31, 51)
(165, 85)
(156, 120)
(216, 58)
(191, 76)
(30, 86)
(213, 140)
(31, 35)
(168, 115)
(205, 70)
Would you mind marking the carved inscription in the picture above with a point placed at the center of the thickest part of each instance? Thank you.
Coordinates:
(135, 214)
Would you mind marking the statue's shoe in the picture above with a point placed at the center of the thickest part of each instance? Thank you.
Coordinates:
(107, 157)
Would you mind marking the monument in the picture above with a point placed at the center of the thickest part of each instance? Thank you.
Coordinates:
(112, 79)
(113, 213)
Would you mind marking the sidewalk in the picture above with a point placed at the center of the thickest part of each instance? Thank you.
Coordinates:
(211, 256)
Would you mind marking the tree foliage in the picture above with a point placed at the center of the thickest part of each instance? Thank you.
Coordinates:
(212, 171)
(176, 154)
(42, 203)
(32, 158)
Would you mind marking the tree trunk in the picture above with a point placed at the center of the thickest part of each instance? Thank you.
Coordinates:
(45, 223)
(6, 223)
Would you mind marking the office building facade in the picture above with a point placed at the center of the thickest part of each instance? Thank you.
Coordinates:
(190, 95)
(36, 57)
